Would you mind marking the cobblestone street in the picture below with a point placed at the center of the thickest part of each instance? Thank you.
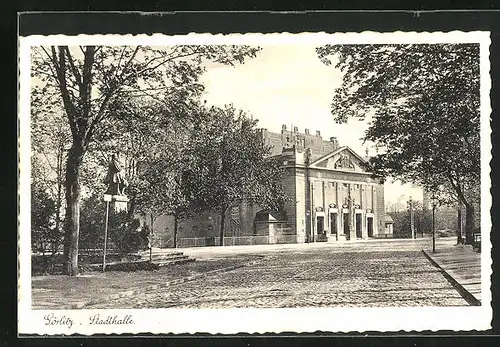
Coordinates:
(323, 277)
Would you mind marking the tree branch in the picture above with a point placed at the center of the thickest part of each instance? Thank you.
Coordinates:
(99, 116)
(127, 64)
(86, 85)
(73, 68)
(145, 92)
(138, 73)
(457, 189)
(61, 78)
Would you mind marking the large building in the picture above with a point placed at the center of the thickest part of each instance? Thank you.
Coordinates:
(332, 198)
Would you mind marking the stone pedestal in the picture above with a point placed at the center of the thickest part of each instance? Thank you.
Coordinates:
(119, 202)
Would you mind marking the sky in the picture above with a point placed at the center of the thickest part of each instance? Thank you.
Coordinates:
(288, 84)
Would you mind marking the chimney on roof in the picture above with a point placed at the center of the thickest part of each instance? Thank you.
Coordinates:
(306, 131)
(283, 127)
(334, 142)
(295, 129)
(318, 133)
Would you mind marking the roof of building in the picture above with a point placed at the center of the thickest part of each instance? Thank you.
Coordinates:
(319, 147)
(266, 216)
(388, 219)
(338, 150)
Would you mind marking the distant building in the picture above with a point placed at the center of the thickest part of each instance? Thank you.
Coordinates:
(334, 197)
(389, 225)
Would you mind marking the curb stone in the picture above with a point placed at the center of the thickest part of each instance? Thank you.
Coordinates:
(471, 299)
(82, 304)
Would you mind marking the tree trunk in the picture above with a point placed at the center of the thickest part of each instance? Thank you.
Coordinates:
(222, 225)
(72, 222)
(469, 224)
(176, 223)
(459, 226)
(57, 238)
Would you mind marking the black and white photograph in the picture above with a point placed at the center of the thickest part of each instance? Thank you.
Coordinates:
(281, 182)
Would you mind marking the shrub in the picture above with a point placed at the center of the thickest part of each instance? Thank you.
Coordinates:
(44, 234)
(133, 238)
(124, 236)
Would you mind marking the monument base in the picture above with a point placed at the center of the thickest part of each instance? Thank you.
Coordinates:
(120, 202)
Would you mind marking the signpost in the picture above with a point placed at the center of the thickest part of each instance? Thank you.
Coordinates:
(150, 246)
(107, 198)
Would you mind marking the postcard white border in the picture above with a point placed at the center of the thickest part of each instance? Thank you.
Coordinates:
(231, 321)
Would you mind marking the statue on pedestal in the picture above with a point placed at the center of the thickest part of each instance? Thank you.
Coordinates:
(115, 179)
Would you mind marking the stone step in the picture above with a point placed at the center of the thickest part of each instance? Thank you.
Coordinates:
(164, 258)
(160, 258)
(174, 262)
(159, 254)
(170, 255)
(164, 255)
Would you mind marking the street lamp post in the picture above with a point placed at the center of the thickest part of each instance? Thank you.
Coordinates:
(412, 219)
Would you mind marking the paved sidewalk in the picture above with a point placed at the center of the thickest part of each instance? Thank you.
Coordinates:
(461, 264)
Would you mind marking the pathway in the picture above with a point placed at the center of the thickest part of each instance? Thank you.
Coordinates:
(459, 262)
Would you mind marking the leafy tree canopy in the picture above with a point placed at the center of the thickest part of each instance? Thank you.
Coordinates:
(90, 82)
(422, 102)
(229, 163)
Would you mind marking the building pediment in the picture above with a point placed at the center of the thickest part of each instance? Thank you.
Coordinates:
(342, 159)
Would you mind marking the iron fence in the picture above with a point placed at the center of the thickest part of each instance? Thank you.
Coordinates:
(186, 242)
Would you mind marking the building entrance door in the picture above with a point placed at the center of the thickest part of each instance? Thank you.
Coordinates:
(346, 226)
(320, 228)
(358, 226)
(333, 223)
(369, 223)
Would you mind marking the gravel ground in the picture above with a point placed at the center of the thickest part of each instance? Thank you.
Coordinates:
(61, 292)
(320, 278)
